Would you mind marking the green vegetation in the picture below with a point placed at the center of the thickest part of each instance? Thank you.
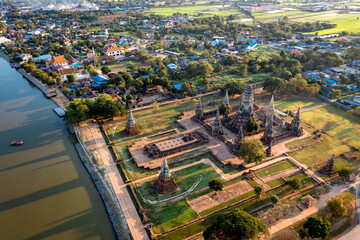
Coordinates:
(209, 10)
(151, 121)
(171, 216)
(246, 206)
(278, 167)
(185, 178)
(283, 103)
(275, 183)
(336, 123)
(301, 142)
(235, 224)
(303, 178)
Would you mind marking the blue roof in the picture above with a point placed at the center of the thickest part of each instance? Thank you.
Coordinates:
(171, 65)
(145, 76)
(330, 81)
(100, 79)
(248, 39)
(177, 86)
(75, 65)
(314, 75)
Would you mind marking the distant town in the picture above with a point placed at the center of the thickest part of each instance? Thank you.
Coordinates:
(203, 120)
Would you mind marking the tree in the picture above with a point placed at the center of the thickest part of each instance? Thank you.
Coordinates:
(337, 207)
(76, 112)
(251, 151)
(223, 108)
(235, 224)
(93, 72)
(259, 190)
(71, 78)
(252, 125)
(295, 184)
(274, 199)
(105, 70)
(317, 227)
(233, 87)
(216, 184)
(131, 65)
(344, 172)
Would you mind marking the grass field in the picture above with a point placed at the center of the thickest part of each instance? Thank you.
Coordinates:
(151, 120)
(274, 169)
(185, 178)
(336, 123)
(246, 206)
(271, 15)
(171, 216)
(209, 10)
(305, 179)
(275, 183)
(284, 103)
(320, 153)
(121, 66)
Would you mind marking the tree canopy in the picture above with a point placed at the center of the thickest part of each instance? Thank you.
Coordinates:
(251, 151)
(235, 224)
(317, 227)
(216, 184)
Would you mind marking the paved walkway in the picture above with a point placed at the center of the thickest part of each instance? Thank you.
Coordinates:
(132, 218)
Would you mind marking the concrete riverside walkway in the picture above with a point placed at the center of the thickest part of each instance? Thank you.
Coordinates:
(131, 215)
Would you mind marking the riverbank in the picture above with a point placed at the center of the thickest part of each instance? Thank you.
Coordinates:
(98, 175)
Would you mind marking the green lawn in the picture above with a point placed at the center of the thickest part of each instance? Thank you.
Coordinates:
(274, 169)
(246, 206)
(305, 179)
(284, 103)
(209, 10)
(171, 216)
(275, 183)
(320, 153)
(336, 123)
(151, 121)
(121, 66)
(185, 178)
(301, 142)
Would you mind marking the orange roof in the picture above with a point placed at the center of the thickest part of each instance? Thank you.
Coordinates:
(112, 48)
(66, 71)
(59, 59)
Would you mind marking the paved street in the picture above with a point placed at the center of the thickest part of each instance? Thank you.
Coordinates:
(132, 218)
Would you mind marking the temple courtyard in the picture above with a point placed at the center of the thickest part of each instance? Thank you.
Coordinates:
(199, 145)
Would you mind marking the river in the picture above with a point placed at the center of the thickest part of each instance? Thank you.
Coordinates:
(46, 193)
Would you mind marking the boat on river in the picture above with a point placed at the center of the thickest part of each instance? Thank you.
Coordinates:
(17, 143)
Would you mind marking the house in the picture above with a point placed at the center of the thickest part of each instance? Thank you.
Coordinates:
(252, 46)
(172, 67)
(99, 79)
(59, 61)
(103, 32)
(43, 58)
(25, 57)
(64, 72)
(111, 50)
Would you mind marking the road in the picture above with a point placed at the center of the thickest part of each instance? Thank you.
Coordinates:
(131, 215)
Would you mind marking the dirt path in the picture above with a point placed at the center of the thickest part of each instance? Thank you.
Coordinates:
(320, 105)
(132, 218)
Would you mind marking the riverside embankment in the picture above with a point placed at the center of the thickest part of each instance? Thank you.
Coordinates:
(46, 191)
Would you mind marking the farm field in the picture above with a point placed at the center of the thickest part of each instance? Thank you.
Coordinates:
(345, 20)
(209, 10)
